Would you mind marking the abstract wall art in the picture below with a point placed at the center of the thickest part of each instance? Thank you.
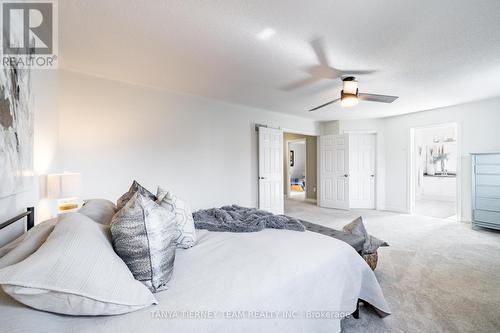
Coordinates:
(16, 131)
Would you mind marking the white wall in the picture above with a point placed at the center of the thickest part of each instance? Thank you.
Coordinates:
(204, 150)
(44, 90)
(478, 130)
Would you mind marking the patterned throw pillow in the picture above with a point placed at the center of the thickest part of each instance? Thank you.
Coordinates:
(186, 233)
(144, 235)
(135, 187)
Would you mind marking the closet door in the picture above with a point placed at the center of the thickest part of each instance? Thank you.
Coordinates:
(362, 170)
(334, 171)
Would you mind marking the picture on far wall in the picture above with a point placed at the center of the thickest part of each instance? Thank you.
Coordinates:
(292, 158)
(16, 131)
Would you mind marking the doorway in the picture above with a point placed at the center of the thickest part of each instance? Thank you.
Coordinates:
(273, 163)
(435, 164)
(296, 169)
(300, 167)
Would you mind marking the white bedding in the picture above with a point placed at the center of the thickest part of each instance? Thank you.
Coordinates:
(269, 273)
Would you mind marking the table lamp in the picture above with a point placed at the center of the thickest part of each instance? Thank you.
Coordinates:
(65, 188)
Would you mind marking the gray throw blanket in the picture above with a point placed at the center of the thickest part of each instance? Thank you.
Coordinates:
(240, 219)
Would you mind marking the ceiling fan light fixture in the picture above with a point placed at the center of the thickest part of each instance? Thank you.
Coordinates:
(350, 95)
(348, 100)
(350, 86)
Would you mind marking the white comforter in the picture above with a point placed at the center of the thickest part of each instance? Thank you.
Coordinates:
(268, 281)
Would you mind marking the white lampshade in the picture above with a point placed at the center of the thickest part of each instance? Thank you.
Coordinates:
(350, 87)
(64, 185)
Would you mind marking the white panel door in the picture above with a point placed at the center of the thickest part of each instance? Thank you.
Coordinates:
(334, 171)
(271, 196)
(362, 170)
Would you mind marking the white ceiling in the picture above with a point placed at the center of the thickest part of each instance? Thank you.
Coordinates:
(430, 53)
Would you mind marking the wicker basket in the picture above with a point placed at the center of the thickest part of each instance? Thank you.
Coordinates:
(371, 260)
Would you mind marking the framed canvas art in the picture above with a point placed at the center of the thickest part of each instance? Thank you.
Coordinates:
(16, 131)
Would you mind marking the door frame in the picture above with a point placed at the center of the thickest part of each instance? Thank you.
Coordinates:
(411, 167)
(256, 126)
(287, 165)
(377, 206)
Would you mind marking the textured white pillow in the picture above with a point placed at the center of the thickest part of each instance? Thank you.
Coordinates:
(76, 272)
(186, 232)
(24, 246)
(99, 210)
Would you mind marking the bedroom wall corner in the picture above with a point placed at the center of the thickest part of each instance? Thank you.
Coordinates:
(203, 149)
(478, 132)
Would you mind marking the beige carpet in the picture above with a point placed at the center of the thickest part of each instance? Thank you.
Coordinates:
(437, 276)
(435, 208)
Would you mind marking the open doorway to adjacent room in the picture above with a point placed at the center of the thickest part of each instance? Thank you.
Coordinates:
(434, 171)
(297, 169)
(300, 167)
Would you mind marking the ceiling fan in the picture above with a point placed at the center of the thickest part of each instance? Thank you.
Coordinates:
(350, 95)
(323, 70)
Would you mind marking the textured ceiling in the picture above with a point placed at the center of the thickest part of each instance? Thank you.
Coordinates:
(430, 53)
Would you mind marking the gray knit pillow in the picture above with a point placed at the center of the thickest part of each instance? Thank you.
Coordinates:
(135, 187)
(144, 236)
(371, 243)
(186, 232)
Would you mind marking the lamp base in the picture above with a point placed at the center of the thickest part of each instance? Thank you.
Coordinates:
(67, 206)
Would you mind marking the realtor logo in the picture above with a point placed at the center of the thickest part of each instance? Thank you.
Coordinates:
(29, 33)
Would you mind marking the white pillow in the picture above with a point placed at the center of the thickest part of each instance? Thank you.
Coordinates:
(99, 210)
(186, 232)
(24, 246)
(76, 272)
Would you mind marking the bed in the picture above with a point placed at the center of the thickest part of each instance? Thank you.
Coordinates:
(268, 281)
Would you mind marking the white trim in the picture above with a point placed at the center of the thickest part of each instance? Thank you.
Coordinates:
(410, 181)
(359, 132)
(292, 131)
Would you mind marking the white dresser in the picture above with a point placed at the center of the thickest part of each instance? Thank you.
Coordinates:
(486, 190)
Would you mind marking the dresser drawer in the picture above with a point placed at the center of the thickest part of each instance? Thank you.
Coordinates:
(488, 204)
(487, 216)
(492, 169)
(488, 159)
(488, 180)
(488, 191)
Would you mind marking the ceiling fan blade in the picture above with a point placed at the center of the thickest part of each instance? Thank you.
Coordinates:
(347, 72)
(300, 83)
(377, 98)
(323, 105)
(319, 49)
